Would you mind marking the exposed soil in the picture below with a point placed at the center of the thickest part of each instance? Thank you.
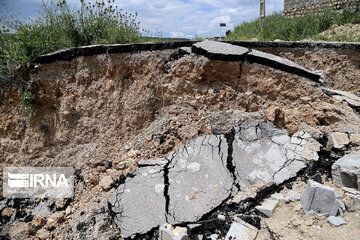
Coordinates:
(101, 114)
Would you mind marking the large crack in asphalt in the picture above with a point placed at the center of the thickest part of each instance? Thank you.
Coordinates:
(209, 222)
(230, 137)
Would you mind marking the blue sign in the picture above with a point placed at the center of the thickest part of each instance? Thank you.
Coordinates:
(222, 24)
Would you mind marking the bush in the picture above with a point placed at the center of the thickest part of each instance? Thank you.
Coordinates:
(96, 22)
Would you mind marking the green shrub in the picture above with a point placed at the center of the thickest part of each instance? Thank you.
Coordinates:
(96, 22)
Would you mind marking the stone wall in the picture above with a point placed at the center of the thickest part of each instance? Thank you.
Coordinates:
(299, 7)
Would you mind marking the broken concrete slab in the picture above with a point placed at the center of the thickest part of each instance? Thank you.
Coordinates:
(346, 171)
(184, 51)
(351, 99)
(283, 64)
(263, 153)
(268, 207)
(339, 139)
(139, 196)
(168, 232)
(336, 221)
(199, 179)
(319, 199)
(196, 178)
(222, 122)
(219, 50)
(241, 230)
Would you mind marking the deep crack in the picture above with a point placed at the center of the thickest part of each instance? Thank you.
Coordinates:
(230, 137)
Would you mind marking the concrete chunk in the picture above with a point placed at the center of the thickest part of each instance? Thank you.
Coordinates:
(168, 232)
(336, 221)
(283, 64)
(319, 199)
(138, 205)
(346, 171)
(268, 207)
(339, 139)
(219, 50)
(241, 230)
(199, 180)
(351, 99)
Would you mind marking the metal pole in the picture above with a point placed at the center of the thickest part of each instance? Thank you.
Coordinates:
(262, 14)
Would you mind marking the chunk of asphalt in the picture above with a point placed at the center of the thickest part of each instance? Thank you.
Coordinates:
(263, 153)
(351, 99)
(241, 230)
(199, 180)
(184, 51)
(336, 221)
(282, 64)
(268, 207)
(138, 205)
(346, 171)
(219, 51)
(319, 199)
(168, 232)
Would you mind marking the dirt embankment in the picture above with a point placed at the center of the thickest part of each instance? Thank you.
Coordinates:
(101, 114)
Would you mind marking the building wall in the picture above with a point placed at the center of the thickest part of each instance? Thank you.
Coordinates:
(299, 7)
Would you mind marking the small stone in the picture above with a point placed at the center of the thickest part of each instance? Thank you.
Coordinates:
(292, 196)
(8, 212)
(352, 202)
(336, 221)
(277, 196)
(241, 230)
(106, 183)
(43, 234)
(339, 139)
(38, 222)
(54, 220)
(221, 217)
(268, 207)
(214, 236)
(19, 230)
(355, 139)
(93, 180)
(168, 232)
(42, 209)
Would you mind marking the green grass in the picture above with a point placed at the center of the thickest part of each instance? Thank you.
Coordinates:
(276, 26)
(96, 22)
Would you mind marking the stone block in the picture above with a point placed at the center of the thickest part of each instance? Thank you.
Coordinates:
(319, 199)
(346, 171)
